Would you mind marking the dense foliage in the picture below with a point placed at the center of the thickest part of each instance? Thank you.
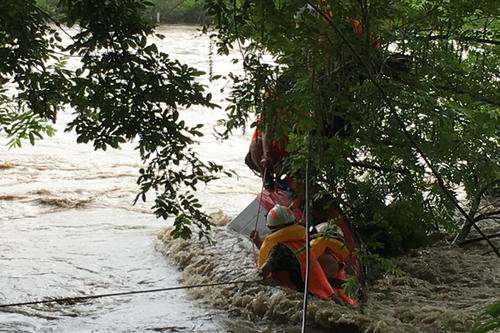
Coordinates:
(123, 90)
(379, 96)
(489, 320)
(167, 11)
(391, 101)
(177, 11)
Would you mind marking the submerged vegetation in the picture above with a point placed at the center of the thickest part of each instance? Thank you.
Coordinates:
(490, 319)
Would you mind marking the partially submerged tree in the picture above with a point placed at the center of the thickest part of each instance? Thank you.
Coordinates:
(395, 103)
(392, 102)
(124, 89)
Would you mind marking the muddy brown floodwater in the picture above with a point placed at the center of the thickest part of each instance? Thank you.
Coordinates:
(68, 227)
(439, 288)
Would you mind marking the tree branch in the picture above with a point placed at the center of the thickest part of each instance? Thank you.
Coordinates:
(488, 215)
(390, 104)
(465, 39)
(51, 19)
(467, 226)
(479, 98)
(472, 240)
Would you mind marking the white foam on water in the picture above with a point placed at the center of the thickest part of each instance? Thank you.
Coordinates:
(441, 289)
(68, 226)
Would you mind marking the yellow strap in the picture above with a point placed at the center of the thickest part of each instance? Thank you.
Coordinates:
(320, 244)
(293, 232)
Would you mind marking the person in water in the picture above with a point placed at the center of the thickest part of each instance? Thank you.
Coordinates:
(332, 254)
(282, 255)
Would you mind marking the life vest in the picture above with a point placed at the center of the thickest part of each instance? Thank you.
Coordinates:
(338, 248)
(358, 31)
(355, 23)
(294, 238)
(278, 146)
(334, 246)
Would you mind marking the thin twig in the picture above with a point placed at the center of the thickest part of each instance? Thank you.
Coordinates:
(366, 165)
(488, 215)
(476, 201)
(466, 39)
(50, 18)
(472, 240)
(490, 204)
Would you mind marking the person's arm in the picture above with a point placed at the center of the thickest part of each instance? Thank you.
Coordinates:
(254, 236)
(265, 270)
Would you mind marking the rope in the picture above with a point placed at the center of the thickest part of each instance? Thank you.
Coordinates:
(306, 280)
(77, 299)
(257, 220)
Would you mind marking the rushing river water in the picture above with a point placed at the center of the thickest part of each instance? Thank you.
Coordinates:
(68, 226)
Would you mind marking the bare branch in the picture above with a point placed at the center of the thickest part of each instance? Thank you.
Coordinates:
(488, 215)
(472, 240)
(467, 226)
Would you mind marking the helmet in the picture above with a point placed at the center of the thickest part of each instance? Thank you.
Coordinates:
(330, 230)
(322, 227)
(279, 216)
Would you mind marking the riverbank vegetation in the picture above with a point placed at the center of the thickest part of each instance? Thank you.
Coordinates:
(177, 11)
(159, 11)
(394, 104)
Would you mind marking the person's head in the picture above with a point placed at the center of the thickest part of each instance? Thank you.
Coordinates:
(279, 216)
(329, 230)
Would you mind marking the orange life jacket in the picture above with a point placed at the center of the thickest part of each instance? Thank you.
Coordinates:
(355, 23)
(319, 246)
(293, 237)
(278, 146)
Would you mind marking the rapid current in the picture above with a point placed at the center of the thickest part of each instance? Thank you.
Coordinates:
(68, 226)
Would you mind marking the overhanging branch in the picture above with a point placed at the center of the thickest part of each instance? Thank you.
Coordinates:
(472, 240)
(488, 215)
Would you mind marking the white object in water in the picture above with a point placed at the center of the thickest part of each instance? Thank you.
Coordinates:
(244, 223)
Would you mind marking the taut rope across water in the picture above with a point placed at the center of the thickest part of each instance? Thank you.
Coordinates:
(77, 299)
